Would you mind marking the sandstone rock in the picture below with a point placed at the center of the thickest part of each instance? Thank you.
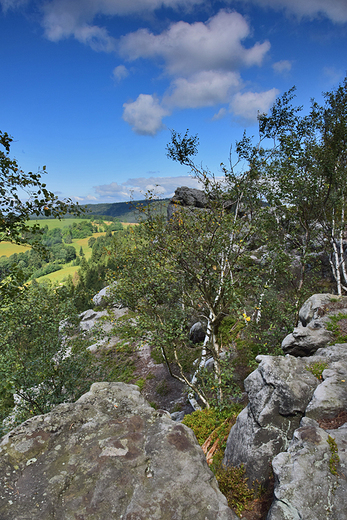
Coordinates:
(278, 392)
(312, 306)
(197, 333)
(330, 397)
(89, 318)
(305, 486)
(311, 333)
(101, 299)
(185, 197)
(304, 341)
(107, 456)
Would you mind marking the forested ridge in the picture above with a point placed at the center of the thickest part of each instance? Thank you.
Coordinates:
(268, 232)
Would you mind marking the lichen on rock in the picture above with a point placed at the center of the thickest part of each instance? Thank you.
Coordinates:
(107, 456)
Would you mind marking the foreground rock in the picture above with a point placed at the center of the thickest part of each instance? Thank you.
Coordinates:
(278, 392)
(107, 456)
(307, 486)
(295, 404)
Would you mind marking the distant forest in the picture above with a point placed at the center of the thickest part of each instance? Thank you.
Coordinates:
(124, 211)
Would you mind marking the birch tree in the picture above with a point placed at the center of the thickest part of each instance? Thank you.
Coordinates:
(196, 265)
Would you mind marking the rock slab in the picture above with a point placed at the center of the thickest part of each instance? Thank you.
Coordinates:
(305, 486)
(107, 456)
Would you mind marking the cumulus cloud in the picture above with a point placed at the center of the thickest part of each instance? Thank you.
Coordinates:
(189, 48)
(120, 72)
(220, 114)
(64, 18)
(203, 59)
(145, 114)
(249, 104)
(207, 88)
(163, 187)
(282, 66)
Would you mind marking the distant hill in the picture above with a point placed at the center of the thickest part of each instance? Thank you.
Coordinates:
(126, 211)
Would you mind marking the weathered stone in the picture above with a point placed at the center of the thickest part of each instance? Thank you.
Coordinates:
(330, 397)
(278, 392)
(184, 198)
(107, 456)
(311, 333)
(313, 306)
(305, 341)
(101, 299)
(305, 487)
(197, 332)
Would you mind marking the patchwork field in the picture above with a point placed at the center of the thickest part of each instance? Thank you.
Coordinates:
(55, 223)
(8, 249)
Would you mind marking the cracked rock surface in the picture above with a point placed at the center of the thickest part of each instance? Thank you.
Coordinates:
(287, 423)
(107, 456)
(306, 488)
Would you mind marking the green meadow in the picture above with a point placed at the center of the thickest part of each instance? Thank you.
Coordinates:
(69, 269)
(53, 223)
(8, 249)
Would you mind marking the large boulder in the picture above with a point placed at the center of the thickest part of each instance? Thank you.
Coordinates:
(185, 197)
(310, 483)
(107, 456)
(281, 391)
(278, 392)
(311, 332)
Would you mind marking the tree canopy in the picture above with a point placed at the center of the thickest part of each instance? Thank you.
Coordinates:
(23, 195)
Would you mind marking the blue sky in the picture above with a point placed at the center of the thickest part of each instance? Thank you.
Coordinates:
(91, 88)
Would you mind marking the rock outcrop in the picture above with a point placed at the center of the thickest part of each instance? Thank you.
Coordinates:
(311, 333)
(107, 456)
(279, 392)
(296, 406)
(309, 484)
(186, 197)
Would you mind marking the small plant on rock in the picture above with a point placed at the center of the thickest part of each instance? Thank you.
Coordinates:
(334, 458)
(317, 369)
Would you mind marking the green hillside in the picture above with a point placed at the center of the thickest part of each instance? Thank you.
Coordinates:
(126, 211)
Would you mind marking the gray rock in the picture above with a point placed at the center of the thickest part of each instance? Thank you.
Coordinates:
(108, 456)
(197, 333)
(312, 308)
(89, 318)
(278, 392)
(101, 299)
(185, 197)
(312, 333)
(330, 397)
(305, 486)
(305, 341)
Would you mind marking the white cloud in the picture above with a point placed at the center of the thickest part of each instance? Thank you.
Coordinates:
(145, 114)
(282, 66)
(120, 72)
(335, 10)
(207, 88)
(64, 18)
(249, 104)
(204, 60)
(163, 187)
(190, 48)
(220, 114)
